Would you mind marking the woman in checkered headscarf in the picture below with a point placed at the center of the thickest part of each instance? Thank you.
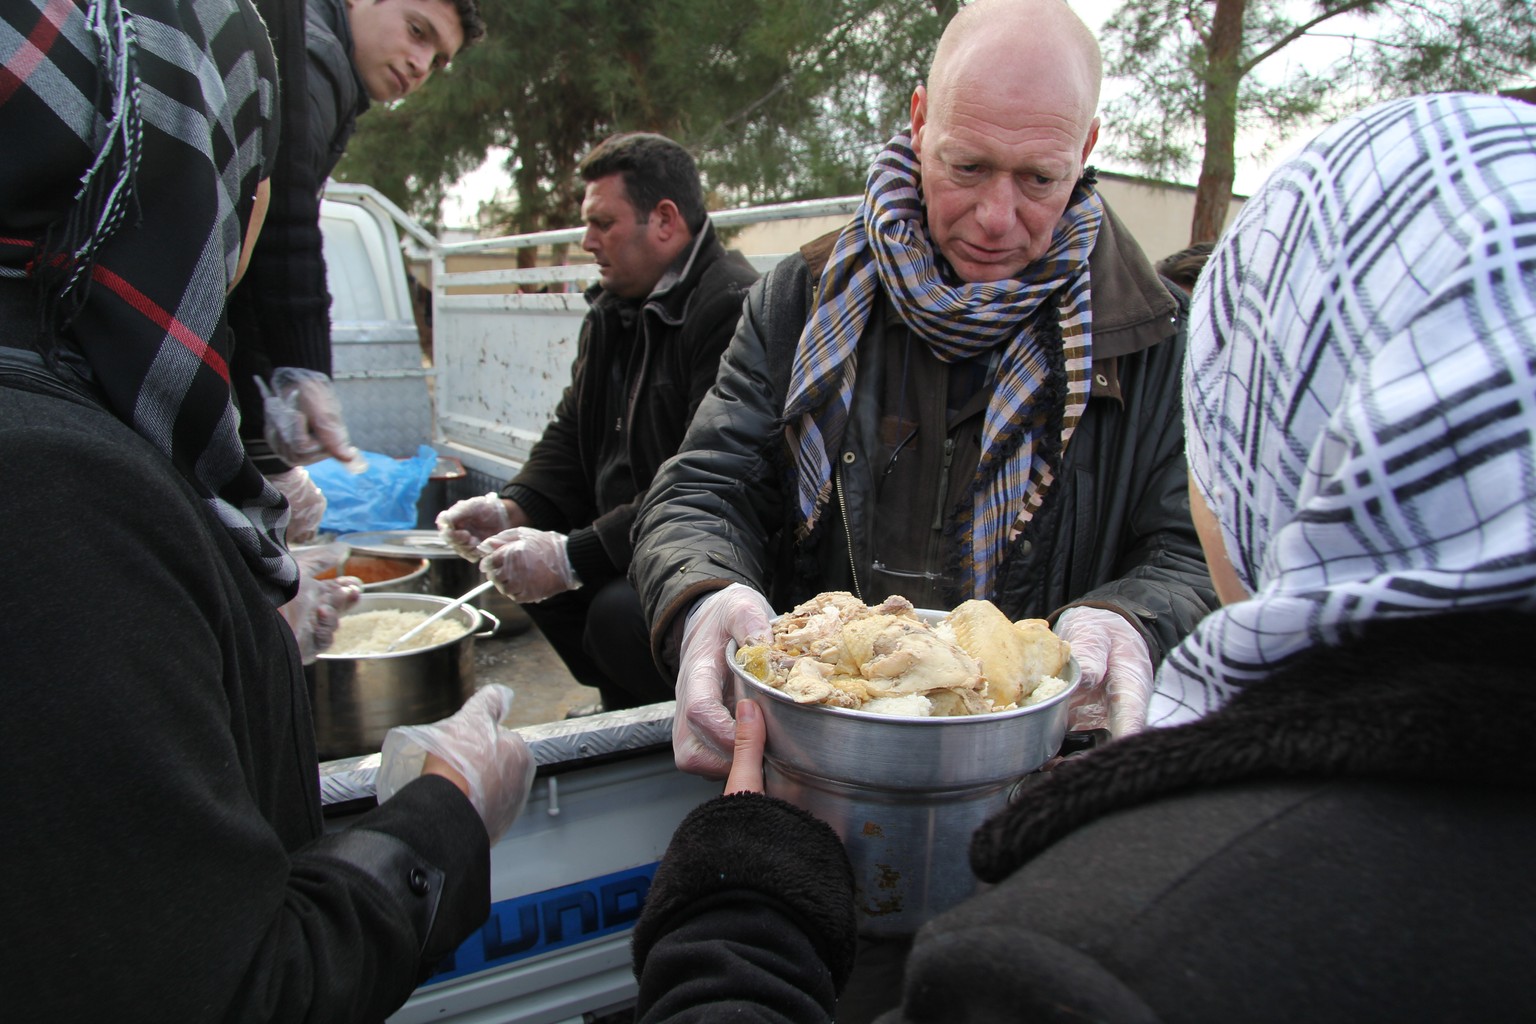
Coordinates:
(1360, 393)
(1343, 831)
(161, 794)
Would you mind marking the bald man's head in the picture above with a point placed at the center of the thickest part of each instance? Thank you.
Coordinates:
(1002, 130)
(1044, 38)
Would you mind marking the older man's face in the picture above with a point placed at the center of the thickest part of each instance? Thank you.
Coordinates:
(998, 163)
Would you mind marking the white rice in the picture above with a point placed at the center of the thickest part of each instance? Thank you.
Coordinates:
(363, 633)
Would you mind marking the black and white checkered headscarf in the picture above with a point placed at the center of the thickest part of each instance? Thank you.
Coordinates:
(1360, 388)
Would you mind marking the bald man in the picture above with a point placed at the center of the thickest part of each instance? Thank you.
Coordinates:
(970, 391)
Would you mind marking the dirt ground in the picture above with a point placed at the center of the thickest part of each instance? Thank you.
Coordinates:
(521, 658)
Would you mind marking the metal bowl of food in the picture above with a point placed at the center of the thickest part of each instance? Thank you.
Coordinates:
(360, 691)
(904, 793)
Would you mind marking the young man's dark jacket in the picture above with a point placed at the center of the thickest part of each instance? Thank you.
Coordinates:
(1114, 531)
(641, 370)
(280, 313)
(1345, 841)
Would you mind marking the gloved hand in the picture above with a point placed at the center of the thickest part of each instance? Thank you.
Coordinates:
(306, 503)
(303, 419)
(493, 759)
(315, 613)
(1117, 671)
(703, 731)
(465, 524)
(527, 564)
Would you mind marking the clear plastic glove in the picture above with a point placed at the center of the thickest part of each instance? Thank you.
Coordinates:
(315, 613)
(303, 419)
(466, 524)
(703, 731)
(1117, 671)
(528, 565)
(493, 759)
(306, 503)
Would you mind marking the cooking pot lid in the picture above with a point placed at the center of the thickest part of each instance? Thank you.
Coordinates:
(399, 544)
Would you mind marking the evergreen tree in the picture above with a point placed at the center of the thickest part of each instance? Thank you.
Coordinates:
(1202, 70)
(780, 100)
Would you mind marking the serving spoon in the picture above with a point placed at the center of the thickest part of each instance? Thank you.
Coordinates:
(470, 595)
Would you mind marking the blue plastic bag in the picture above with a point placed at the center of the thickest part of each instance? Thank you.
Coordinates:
(382, 497)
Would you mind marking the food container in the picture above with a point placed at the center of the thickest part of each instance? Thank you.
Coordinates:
(357, 699)
(904, 794)
(448, 575)
(393, 575)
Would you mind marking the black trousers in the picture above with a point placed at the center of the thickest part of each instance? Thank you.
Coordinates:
(603, 638)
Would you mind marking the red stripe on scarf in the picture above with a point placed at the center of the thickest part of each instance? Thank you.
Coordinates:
(28, 58)
(168, 323)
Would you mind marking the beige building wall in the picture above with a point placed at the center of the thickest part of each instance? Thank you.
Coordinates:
(1157, 213)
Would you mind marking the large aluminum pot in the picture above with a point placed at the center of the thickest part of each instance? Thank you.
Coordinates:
(357, 699)
(904, 794)
(448, 575)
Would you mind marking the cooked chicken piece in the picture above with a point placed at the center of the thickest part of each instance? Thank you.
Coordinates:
(756, 661)
(807, 682)
(952, 703)
(895, 605)
(1048, 653)
(906, 657)
(1013, 656)
(847, 692)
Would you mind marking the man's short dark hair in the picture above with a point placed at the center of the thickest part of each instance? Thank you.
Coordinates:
(654, 168)
(1183, 267)
(470, 21)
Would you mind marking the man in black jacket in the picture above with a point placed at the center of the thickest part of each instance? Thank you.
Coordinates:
(347, 54)
(971, 393)
(557, 535)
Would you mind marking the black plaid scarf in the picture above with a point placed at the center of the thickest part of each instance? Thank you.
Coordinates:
(887, 246)
(134, 134)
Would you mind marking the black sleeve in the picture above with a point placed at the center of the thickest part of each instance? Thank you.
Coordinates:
(165, 829)
(751, 914)
(280, 312)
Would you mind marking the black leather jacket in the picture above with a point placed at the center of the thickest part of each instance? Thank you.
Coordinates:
(1114, 532)
(641, 370)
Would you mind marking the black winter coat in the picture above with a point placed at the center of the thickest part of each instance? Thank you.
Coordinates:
(640, 372)
(280, 311)
(1114, 532)
(162, 828)
(1348, 841)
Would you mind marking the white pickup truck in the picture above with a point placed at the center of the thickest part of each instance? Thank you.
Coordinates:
(568, 880)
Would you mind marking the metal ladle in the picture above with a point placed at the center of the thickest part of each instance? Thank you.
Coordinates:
(473, 593)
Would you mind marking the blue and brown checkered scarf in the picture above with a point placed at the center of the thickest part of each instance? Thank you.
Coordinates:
(887, 247)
